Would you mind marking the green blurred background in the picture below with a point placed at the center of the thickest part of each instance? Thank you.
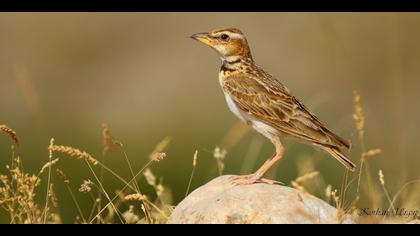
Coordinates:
(63, 74)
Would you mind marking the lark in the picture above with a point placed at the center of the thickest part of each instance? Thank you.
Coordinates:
(266, 105)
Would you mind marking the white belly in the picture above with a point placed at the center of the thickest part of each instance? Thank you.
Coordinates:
(266, 130)
(259, 126)
(233, 108)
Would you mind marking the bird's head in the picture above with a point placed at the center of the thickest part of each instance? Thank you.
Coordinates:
(230, 43)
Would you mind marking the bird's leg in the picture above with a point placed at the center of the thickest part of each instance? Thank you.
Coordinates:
(257, 177)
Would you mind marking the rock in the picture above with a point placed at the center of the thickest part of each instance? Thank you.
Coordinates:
(414, 222)
(219, 202)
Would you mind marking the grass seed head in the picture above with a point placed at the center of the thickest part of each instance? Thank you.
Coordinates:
(358, 116)
(73, 152)
(135, 197)
(86, 186)
(11, 133)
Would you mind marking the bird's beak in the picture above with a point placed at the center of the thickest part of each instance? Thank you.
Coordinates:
(202, 37)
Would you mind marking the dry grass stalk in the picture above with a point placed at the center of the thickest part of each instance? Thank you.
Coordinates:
(381, 177)
(327, 193)
(62, 176)
(234, 135)
(127, 185)
(341, 215)
(220, 154)
(52, 196)
(307, 177)
(387, 195)
(73, 152)
(358, 116)
(130, 217)
(150, 177)
(48, 165)
(371, 153)
(335, 197)
(66, 182)
(46, 208)
(146, 212)
(160, 189)
(359, 119)
(11, 133)
(162, 200)
(108, 141)
(160, 156)
(111, 208)
(194, 164)
(18, 193)
(369, 185)
(298, 187)
(297, 183)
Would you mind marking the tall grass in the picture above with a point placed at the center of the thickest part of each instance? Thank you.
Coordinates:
(18, 189)
(360, 185)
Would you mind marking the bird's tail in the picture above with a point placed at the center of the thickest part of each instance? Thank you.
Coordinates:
(341, 158)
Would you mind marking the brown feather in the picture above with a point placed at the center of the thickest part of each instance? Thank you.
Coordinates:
(266, 99)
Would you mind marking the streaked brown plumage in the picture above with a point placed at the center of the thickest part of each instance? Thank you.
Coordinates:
(265, 104)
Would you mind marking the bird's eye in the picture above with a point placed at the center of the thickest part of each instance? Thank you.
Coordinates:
(224, 36)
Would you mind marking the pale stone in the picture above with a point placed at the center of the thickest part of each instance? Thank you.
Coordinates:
(219, 202)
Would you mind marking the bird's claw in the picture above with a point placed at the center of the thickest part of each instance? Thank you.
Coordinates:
(251, 179)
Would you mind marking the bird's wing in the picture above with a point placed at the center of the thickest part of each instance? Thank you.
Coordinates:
(266, 99)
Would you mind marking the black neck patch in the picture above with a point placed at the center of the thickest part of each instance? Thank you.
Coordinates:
(225, 68)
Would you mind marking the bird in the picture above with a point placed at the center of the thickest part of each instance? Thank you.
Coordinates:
(265, 104)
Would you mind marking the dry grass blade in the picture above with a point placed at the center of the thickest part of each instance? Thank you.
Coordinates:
(11, 133)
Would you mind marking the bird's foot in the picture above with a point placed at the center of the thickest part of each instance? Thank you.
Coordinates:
(251, 179)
